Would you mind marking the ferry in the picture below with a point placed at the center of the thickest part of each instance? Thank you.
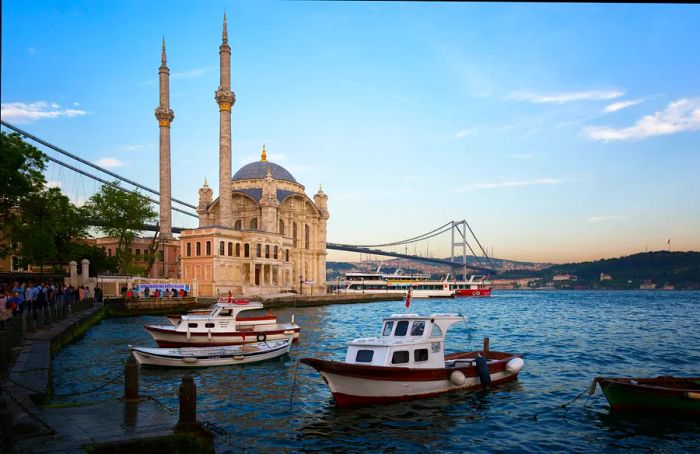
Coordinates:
(398, 283)
(475, 286)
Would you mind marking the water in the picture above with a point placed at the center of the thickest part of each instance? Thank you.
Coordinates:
(567, 339)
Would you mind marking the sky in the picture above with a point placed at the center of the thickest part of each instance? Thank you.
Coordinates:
(560, 132)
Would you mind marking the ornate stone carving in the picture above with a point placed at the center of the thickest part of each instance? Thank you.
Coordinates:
(225, 98)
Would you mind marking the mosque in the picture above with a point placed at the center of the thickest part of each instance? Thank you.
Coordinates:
(262, 234)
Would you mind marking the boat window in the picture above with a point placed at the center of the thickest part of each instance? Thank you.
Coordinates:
(420, 355)
(399, 357)
(225, 313)
(418, 328)
(191, 325)
(388, 326)
(364, 356)
(435, 331)
(401, 328)
(208, 325)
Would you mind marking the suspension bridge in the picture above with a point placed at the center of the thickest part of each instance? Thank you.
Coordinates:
(458, 234)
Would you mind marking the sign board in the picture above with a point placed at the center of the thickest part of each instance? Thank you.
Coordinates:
(164, 286)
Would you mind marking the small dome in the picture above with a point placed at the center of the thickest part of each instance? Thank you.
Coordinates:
(258, 171)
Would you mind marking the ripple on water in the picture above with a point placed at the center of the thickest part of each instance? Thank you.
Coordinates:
(567, 339)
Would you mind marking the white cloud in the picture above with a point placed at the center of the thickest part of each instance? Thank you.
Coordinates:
(561, 98)
(521, 156)
(464, 133)
(190, 74)
(679, 116)
(607, 217)
(19, 112)
(614, 107)
(109, 163)
(509, 184)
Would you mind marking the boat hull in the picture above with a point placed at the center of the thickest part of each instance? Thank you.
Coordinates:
(473, 292)
(209, 357)
(168, 336)
(353, 385)
(663, 394)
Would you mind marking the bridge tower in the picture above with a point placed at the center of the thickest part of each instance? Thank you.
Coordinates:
(225, 98)
(165, 116)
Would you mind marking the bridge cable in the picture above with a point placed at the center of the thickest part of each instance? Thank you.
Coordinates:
(410, 240)
(94, 166)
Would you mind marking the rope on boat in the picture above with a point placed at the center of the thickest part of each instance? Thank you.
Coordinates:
(294, 385)
(590, 390)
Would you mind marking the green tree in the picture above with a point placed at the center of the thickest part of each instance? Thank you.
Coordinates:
(22, 169)
(121, 215)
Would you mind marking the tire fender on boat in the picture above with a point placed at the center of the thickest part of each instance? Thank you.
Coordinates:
(190, 359)
(482, 367)
(261, 337)
(189, 336)
(209, 334)
(515, 365)
(457, 378)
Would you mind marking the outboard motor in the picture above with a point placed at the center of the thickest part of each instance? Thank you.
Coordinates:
(482, 368)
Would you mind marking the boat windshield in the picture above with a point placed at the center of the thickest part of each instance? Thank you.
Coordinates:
(418, 328)
(435, 331)
(388, 326)
(401, 328)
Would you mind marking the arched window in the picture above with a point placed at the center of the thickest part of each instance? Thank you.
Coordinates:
(307, 236)
(222, 248)
(281, 228)
(275, 253)
(208, 248)
(138, 252)
(237, 225)
(230, 249)
(238, 249)
(294, 234)
(258, 250)
(246, 250)
(254, 224)
(287, 255)
(198, 248)
(189, 250)
(267, 251)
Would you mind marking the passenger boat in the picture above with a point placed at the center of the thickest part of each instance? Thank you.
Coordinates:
(408, 362)
(661, 394)
(397, 283)
(211, 356)
(174, 319)
(475, 286)
(222, 326)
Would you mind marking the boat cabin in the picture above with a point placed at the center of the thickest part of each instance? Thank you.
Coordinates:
(222, 315)
(407, 340)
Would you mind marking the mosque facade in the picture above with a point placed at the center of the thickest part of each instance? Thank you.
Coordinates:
(262, 234)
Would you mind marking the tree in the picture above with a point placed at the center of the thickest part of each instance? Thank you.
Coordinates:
(21, 177)
(121, 215)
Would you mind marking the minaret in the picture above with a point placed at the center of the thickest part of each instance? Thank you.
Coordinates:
(165, 116)
(225, 99)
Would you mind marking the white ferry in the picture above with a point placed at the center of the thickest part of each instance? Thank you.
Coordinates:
(398, 283)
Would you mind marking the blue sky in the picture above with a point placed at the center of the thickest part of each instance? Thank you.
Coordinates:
(560, 132)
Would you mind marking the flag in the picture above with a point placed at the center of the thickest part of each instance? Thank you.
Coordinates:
(408, 297)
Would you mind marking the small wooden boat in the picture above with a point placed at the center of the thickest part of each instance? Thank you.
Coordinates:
(408, 362)
(668, 394)
(211, 356)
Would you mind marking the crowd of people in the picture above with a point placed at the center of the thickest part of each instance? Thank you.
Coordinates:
(16, 297)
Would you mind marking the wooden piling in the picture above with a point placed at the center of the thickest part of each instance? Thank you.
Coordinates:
(131, 379)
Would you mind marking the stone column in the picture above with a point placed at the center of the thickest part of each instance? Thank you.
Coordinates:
(85, 271)
(73, 279)
(225, 98)
(165, 116)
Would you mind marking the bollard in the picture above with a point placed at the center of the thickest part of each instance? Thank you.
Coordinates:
(486, 346)
(131, 379)
(187, 421)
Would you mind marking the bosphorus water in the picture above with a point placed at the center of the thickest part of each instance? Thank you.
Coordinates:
(567, 337)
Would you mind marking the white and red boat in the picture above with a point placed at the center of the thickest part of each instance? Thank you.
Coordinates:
(408, 362)
(475, 286)
(397, 283)
(222, 326)
(268, 318)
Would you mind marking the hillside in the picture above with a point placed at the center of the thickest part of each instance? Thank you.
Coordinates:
(680, 269)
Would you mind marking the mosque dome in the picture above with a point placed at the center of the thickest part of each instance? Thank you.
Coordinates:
(258, 170)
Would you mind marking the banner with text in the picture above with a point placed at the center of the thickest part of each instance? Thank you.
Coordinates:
(156, 286)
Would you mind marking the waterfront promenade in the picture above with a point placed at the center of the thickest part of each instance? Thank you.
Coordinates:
(31, 424)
